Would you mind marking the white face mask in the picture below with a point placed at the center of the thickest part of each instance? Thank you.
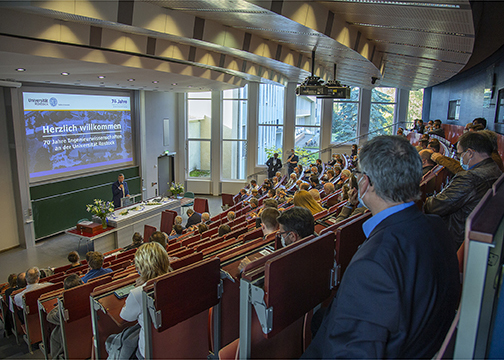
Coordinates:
(361, 197)
(464, 166)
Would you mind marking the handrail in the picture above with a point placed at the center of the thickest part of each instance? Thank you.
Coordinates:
(260, 172)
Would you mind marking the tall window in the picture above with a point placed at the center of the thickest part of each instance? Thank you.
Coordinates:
(270, 120)
(345, 118)
(383, 104)
(199, 125)
(234, 133)
(415, 106)
(307, 135)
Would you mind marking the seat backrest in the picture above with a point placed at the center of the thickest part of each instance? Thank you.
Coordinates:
(254, 234)
(210, 232)
(76, 300)
(77, 269)
(182, 252)
(200, 205)
(191, 239)
(303, 272)
(183, 314)
(167, 220)
(172, 247)
(348, 239)
(196, 290)
(62, 268)
(227, 199)
(148, 231)
(187, 260)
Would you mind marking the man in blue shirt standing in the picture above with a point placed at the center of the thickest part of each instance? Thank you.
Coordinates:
(399, 294)
(95, 263)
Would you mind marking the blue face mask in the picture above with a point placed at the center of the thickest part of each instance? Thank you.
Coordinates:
(464, 166)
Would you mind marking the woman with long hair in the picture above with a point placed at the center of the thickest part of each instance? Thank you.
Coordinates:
(151, 260)
(304, 199)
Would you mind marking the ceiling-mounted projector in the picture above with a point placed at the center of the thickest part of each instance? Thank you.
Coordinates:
(314, 86)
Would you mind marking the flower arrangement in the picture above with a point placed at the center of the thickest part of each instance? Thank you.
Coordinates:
(101, 209)
(176, 188)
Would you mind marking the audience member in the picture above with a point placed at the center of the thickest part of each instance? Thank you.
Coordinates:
(304, 199)
(406, 256)
(269, 223)
(32, 283)
(137, 242)
(74, 259)
(429, 126)
(159, 237)
(95, 267)
(151, 260)
(275, 181)
(434, 145)
(304, 186)
(223, 229)
(400, 132)
(13, 286)
(53, 317)
(253, 186)
(271, 194)
(419, 126)
(255, 194)
(314, 182)
(231, 215)
(315, 195)
(282, 196)
(427, 163)
(345, 175)
(295, 224)
(292, 181)
(193, 218)
(319, 165)
(202, 228)
(422, 144)
(205, 218)
(332, 162)
(436, 129)
(355, 150)
(297, 172)
(330, 177)
(176, 232)
(480, 121)
(465, 190)
(178, 220)
(337, 171)
(243, 195)
(353, 206)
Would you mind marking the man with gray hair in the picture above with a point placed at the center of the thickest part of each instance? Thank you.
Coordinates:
(205, 218)
(32, 283)
(399, 293)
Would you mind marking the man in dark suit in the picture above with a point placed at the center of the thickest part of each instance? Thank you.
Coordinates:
(194, 218)
(399, 294)
(274, 164)
(119, 190)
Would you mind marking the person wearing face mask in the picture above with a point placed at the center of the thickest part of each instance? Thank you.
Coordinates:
(399, 294)
(295, 224)
(465, 190)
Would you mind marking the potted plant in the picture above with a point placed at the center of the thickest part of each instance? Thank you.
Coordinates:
(101, 209)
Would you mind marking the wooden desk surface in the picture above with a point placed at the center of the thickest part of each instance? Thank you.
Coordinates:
(113, 306)
(233, 269)
(50, 304)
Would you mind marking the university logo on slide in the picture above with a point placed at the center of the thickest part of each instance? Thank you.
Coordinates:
(53, 101)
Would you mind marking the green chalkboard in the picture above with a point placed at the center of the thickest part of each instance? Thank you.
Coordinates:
(58, 206)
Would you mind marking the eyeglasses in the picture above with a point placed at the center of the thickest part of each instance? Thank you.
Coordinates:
(363, 173)
(281, 233)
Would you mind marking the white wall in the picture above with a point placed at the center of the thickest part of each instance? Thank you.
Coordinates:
(8, 221)
(154, 108)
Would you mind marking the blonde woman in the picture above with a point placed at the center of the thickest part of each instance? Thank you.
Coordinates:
(304, 199)
(151, 260)
(315, 194)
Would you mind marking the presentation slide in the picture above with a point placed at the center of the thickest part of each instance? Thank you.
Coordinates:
(67, 133)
